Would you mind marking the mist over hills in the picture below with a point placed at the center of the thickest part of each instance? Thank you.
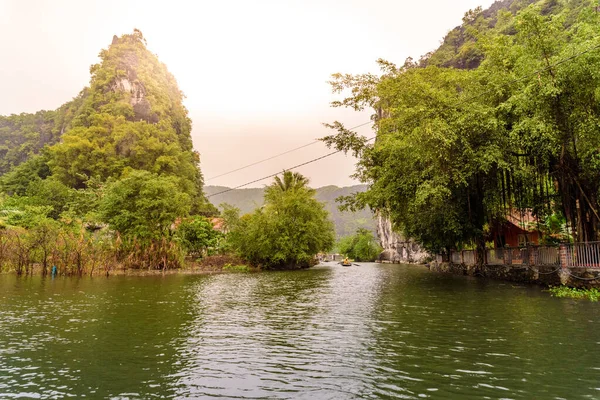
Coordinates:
(346, 222)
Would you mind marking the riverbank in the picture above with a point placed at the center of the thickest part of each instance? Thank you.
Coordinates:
(188, 270)
(210, 265)
(532, 274)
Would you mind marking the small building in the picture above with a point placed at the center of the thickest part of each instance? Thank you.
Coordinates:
(218, 224)
(519, 229)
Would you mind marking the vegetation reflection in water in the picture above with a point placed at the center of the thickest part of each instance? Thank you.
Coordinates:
(375, 331)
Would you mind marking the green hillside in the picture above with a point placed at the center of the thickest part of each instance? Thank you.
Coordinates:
(501, 119)
(346, 222)
(461, 47)
(130, 118)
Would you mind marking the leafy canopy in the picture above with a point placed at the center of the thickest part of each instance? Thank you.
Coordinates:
(288, 231)
(362, 246)
(457, 150)
(144, 205)
(197, 236)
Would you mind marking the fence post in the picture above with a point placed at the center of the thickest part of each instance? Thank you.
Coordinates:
(563, 255)
(533, 254)
(506, 256)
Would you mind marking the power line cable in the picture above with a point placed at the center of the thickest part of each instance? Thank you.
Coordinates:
(459, 102)
(287, 169)
(278, 155)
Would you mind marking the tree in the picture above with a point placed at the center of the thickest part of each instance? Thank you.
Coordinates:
(130, 118)
(362, 246)
(230, 216)
(197, 236)
(144, 205)
(288, 231)
(120, 153)
(290, 181)
(19, 178)
(457, 150)
(50, 192)
(432, 169)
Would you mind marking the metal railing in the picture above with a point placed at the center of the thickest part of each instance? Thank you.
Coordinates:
(495, 256)
(545, 255)
(585, 255)
(581, 255)
(517, 256)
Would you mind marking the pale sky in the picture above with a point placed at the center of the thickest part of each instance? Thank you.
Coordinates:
(254, 72)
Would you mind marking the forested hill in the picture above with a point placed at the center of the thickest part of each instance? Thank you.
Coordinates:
(459, 48)
(346, 222)
(502, 118)
(129, 120)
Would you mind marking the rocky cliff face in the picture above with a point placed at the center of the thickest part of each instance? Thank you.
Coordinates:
(136, 92)
(396, 248)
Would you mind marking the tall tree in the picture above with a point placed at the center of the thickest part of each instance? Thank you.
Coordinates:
(288, 231)
(457, 150)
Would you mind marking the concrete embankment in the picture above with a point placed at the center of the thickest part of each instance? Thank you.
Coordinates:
(543, 275)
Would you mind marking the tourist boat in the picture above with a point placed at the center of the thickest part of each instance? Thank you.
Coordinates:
(346, 264)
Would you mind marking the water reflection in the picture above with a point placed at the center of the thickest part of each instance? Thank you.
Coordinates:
(486, 340)
(374, 331)
(97, 337)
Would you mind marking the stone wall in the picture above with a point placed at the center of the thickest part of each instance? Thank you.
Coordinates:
(396, 248)
(543, 275)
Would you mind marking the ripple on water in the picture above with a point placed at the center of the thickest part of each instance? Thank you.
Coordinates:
(375, 331)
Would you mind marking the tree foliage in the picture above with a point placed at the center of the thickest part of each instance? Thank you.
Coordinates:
(131, 117)
(288, 231)
(458, 149)
(362, 246)
(117, 159)
(197, 236)
(144, 205)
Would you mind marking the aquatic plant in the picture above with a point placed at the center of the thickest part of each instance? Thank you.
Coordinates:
(591, 294)
(236, 268)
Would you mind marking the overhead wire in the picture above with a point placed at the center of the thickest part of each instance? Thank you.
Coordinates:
(287, 169)
(278, 155)
(537, 72)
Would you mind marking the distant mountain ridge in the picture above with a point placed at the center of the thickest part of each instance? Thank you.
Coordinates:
(346, 222)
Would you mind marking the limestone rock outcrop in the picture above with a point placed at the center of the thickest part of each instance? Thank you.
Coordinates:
(397, 248)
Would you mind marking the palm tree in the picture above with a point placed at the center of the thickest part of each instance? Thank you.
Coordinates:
(291, 180)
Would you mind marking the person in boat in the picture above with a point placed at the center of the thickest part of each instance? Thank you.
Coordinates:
(346, 261)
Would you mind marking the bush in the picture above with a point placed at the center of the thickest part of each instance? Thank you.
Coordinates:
(288, 231)
(197, 236)
(362, 246)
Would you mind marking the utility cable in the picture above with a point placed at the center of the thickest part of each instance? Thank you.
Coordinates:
(374, 137)
(287, 169)
(278, 155)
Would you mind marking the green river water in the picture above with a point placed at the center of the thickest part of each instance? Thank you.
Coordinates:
(372, 331)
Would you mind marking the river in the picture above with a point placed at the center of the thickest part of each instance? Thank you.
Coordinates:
(370, 331)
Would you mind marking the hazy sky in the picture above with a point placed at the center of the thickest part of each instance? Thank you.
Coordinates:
(254, 72)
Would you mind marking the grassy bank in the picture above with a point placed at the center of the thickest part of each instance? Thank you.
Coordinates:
(207, 265)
